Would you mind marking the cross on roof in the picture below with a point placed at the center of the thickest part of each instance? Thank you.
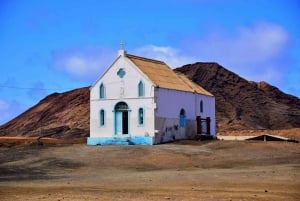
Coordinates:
(122, 44)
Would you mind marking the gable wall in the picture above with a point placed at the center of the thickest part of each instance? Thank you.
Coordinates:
(126, 87)
(121, 89)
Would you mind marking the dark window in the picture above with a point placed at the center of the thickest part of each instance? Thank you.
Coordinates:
(201, 106)
(102, 118)
(102, 91)
(141, 116)
(141, 90)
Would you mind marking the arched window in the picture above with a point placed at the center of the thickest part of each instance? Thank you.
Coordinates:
(201, 106)
(141, 90)
(102, 91)
(182, 118)
(102, 118)
(141, 116)
(121, 106)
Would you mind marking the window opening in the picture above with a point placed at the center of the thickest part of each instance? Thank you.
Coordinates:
(102, 118)
(102, 91)
(141, 116)
(141, 90)
(182, 118)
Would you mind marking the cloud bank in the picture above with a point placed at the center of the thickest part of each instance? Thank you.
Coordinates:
(259, 52)
(171, 55)
(83, 63)
(256, 52)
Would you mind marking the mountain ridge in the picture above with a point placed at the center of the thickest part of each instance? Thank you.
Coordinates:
(243, 104)
(240, 105)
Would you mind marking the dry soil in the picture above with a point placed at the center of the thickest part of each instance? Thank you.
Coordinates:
(186, 170)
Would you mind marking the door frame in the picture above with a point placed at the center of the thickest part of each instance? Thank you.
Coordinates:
(120, 113)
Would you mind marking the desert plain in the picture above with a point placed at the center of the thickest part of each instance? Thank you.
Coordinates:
(183, 170)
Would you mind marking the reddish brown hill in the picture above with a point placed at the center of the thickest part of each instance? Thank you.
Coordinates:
(241, 104)
(59, 115)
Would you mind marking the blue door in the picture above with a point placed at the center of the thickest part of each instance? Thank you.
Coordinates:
(121, 119)
(119, 123)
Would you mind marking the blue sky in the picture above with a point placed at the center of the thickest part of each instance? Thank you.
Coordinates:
(57, 45)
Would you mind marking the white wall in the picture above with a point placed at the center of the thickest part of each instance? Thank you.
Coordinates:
(126, 87)
(122, 89)
(108, 130)
(170, 102)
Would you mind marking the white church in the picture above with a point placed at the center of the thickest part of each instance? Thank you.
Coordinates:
(141, 101)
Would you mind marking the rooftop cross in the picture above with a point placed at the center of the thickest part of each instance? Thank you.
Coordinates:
(122, 44)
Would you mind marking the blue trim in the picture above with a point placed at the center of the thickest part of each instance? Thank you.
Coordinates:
(141, 89)
(182, 118)
(115, 111)
(102, 91)
(143, 120)
(120, 141)
(121, 72)
(102, 118)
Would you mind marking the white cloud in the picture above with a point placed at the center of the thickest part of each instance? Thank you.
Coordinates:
(259, 52)
(172, 56)
(255, 52)
(84, 63)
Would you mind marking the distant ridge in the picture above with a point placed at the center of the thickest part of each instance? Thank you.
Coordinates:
(240, 105)
(59, 115)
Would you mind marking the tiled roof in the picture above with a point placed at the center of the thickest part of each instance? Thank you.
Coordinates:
(164, 77)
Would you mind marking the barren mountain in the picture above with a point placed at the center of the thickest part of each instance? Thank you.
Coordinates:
(59, 115)
(240, 105)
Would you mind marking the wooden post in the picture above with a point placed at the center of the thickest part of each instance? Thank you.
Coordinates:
(208, 125)
(198, 120)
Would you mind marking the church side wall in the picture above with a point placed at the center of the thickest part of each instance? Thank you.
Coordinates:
(167, 121)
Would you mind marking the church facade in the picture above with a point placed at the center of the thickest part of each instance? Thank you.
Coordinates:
(144, 102)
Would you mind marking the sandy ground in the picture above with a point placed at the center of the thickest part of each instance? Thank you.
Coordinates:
(187, 170)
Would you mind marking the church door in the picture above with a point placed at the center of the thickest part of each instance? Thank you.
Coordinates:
(121, 119)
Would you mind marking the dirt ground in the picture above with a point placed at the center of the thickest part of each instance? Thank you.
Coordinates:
(186, 170)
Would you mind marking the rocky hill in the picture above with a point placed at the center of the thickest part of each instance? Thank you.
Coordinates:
(240, 105)
(59, 115)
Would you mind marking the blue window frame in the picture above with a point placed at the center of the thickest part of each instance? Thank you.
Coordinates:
(102, 91)
(102, 118)
(182, 118)
(141, 116)
(121, 72)
(201, 106)
(141, 89)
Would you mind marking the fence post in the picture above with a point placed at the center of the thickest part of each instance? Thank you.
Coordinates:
(208, 125)
(198, 120)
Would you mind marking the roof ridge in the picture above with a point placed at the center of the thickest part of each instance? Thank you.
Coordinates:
(144, 58)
